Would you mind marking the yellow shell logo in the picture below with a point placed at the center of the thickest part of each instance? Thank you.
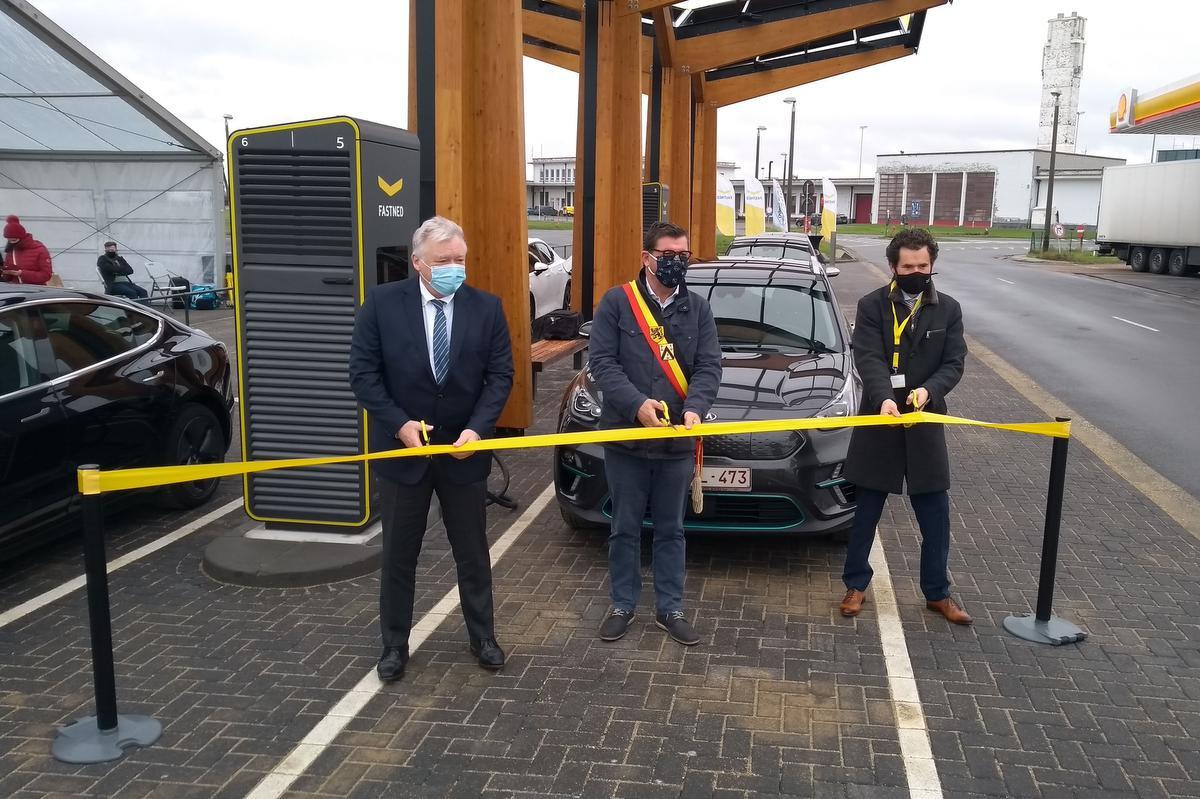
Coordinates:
(1122, 107)
(390, 189)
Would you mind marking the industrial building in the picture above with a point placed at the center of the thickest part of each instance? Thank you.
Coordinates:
(1003, 188)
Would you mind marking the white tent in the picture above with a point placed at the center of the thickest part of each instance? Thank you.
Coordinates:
(86, 156)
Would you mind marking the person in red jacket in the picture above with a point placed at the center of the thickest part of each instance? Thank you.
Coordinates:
(26, 260)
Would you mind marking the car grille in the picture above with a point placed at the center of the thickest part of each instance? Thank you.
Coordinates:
(754, 446)
(747, 512)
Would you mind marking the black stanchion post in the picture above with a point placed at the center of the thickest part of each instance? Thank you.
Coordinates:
(1043, 626)
(105, 736)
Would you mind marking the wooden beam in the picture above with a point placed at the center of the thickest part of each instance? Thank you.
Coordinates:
(566, 33)
(642, 6)
(664, 31)
(574, 5)
(479, 136)
(675, 150)
(728, 91)
(557, 58)
(703, 238)
(701, 53)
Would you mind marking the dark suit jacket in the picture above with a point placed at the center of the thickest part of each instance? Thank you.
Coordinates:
(394, 383)
(932, 354)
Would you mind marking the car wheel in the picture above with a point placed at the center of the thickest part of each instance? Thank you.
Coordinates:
(1158, 261)
(567, 297)
(1177, 263)
(195, 437)
(575, 521)
(1137, 259)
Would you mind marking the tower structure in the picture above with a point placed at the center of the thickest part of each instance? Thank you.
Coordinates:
(1062, 67)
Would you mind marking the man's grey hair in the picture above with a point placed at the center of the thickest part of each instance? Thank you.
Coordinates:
(434, 229)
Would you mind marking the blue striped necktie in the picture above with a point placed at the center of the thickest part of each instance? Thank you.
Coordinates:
(441, 342)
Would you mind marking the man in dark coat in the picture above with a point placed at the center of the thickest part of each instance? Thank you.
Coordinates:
(431, 357)
(909, 350)
(116, 271)
(645, 337)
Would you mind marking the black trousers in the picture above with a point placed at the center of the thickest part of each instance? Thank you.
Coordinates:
(933, 517)
(405, 510)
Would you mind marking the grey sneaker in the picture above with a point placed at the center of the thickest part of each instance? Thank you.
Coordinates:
(615, 624)
(677, 627)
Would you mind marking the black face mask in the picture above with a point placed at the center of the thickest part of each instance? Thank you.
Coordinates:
(9, 246)
(914, 283)
(111, 254)
(670, 271)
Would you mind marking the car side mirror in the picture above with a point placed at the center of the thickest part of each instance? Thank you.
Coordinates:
(832, 271)
(585, 330)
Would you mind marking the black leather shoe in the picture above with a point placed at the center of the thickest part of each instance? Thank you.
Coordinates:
(489, 653)
(391, 665)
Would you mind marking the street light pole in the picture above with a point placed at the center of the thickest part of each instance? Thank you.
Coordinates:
(757, 148)
(861, 131)
(790, 164)
(770, 165)
(1050, 179)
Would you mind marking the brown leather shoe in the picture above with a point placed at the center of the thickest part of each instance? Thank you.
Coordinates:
(852, 602)
(950, 609)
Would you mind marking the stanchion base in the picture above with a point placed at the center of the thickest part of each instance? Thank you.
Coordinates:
(1055, 632)
(85, 742)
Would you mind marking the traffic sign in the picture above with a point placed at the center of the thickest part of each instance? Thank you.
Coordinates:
(1058, 230)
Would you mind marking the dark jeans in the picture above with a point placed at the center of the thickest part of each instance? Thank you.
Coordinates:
(662, 483)
(126, 289)
(933, 517)
(405, 509)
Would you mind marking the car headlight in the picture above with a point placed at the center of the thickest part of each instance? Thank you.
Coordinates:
(844, 404)
(583, 406)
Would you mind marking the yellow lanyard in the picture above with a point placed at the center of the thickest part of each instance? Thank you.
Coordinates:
(898, 329)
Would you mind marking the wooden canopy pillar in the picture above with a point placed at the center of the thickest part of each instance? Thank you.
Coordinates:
(477, 134)
(609, 232)
(704, 182)
(675, 144)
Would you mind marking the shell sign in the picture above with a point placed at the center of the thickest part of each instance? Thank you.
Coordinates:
(1122, 117)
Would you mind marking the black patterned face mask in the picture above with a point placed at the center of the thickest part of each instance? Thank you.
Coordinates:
(914, 283)
(670, 271)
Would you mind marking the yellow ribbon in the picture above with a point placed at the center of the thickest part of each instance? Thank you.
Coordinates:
(93, 481)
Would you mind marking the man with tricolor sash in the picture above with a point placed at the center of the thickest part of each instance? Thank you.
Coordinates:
(655, 358)
(909, 350)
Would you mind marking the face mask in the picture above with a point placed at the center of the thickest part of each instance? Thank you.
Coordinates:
(670, 271)
(914, 283)
(111, 253)
(447, 279)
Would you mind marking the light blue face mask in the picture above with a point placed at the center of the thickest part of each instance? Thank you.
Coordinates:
(447, 279)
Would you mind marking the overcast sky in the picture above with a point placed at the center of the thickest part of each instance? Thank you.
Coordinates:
(974, 85)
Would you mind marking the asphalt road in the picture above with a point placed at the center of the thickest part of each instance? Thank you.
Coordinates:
(1120, 349)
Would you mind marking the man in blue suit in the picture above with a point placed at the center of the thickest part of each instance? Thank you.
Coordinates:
(432, 352)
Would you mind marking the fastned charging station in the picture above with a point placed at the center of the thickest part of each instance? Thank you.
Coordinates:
(321, 211)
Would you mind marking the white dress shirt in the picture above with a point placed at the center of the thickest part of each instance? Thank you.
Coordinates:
(430, 312)
(670, 298)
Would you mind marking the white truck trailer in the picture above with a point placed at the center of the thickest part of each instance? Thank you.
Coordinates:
(1150, 216)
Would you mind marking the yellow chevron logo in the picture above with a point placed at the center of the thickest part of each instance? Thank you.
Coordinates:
(391, 189)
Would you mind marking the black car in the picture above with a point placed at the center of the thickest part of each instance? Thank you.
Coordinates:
(803, 248)
(786, 353)
(92, 379)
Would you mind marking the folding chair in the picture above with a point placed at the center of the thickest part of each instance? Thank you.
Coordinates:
(161, 287)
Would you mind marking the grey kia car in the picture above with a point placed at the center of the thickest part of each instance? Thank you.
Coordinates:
(785, 350)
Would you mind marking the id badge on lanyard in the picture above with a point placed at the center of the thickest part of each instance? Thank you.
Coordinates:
(898, 379)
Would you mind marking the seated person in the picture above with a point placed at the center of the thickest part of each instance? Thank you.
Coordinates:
(116, 271)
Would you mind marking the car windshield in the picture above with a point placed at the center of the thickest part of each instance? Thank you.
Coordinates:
(799, 314)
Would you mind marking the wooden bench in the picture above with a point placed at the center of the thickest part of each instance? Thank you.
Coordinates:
(546, 352)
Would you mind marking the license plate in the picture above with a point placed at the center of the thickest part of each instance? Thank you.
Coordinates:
(721, 478)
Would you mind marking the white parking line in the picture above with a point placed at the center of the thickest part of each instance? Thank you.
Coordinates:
(41, 600)
(1137, 324)
(353, 701)
(915, 749)
(1009, 282)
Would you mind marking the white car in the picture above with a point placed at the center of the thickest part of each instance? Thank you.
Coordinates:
(549, 280)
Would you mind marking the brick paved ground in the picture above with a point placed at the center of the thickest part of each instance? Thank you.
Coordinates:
(785, 698)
